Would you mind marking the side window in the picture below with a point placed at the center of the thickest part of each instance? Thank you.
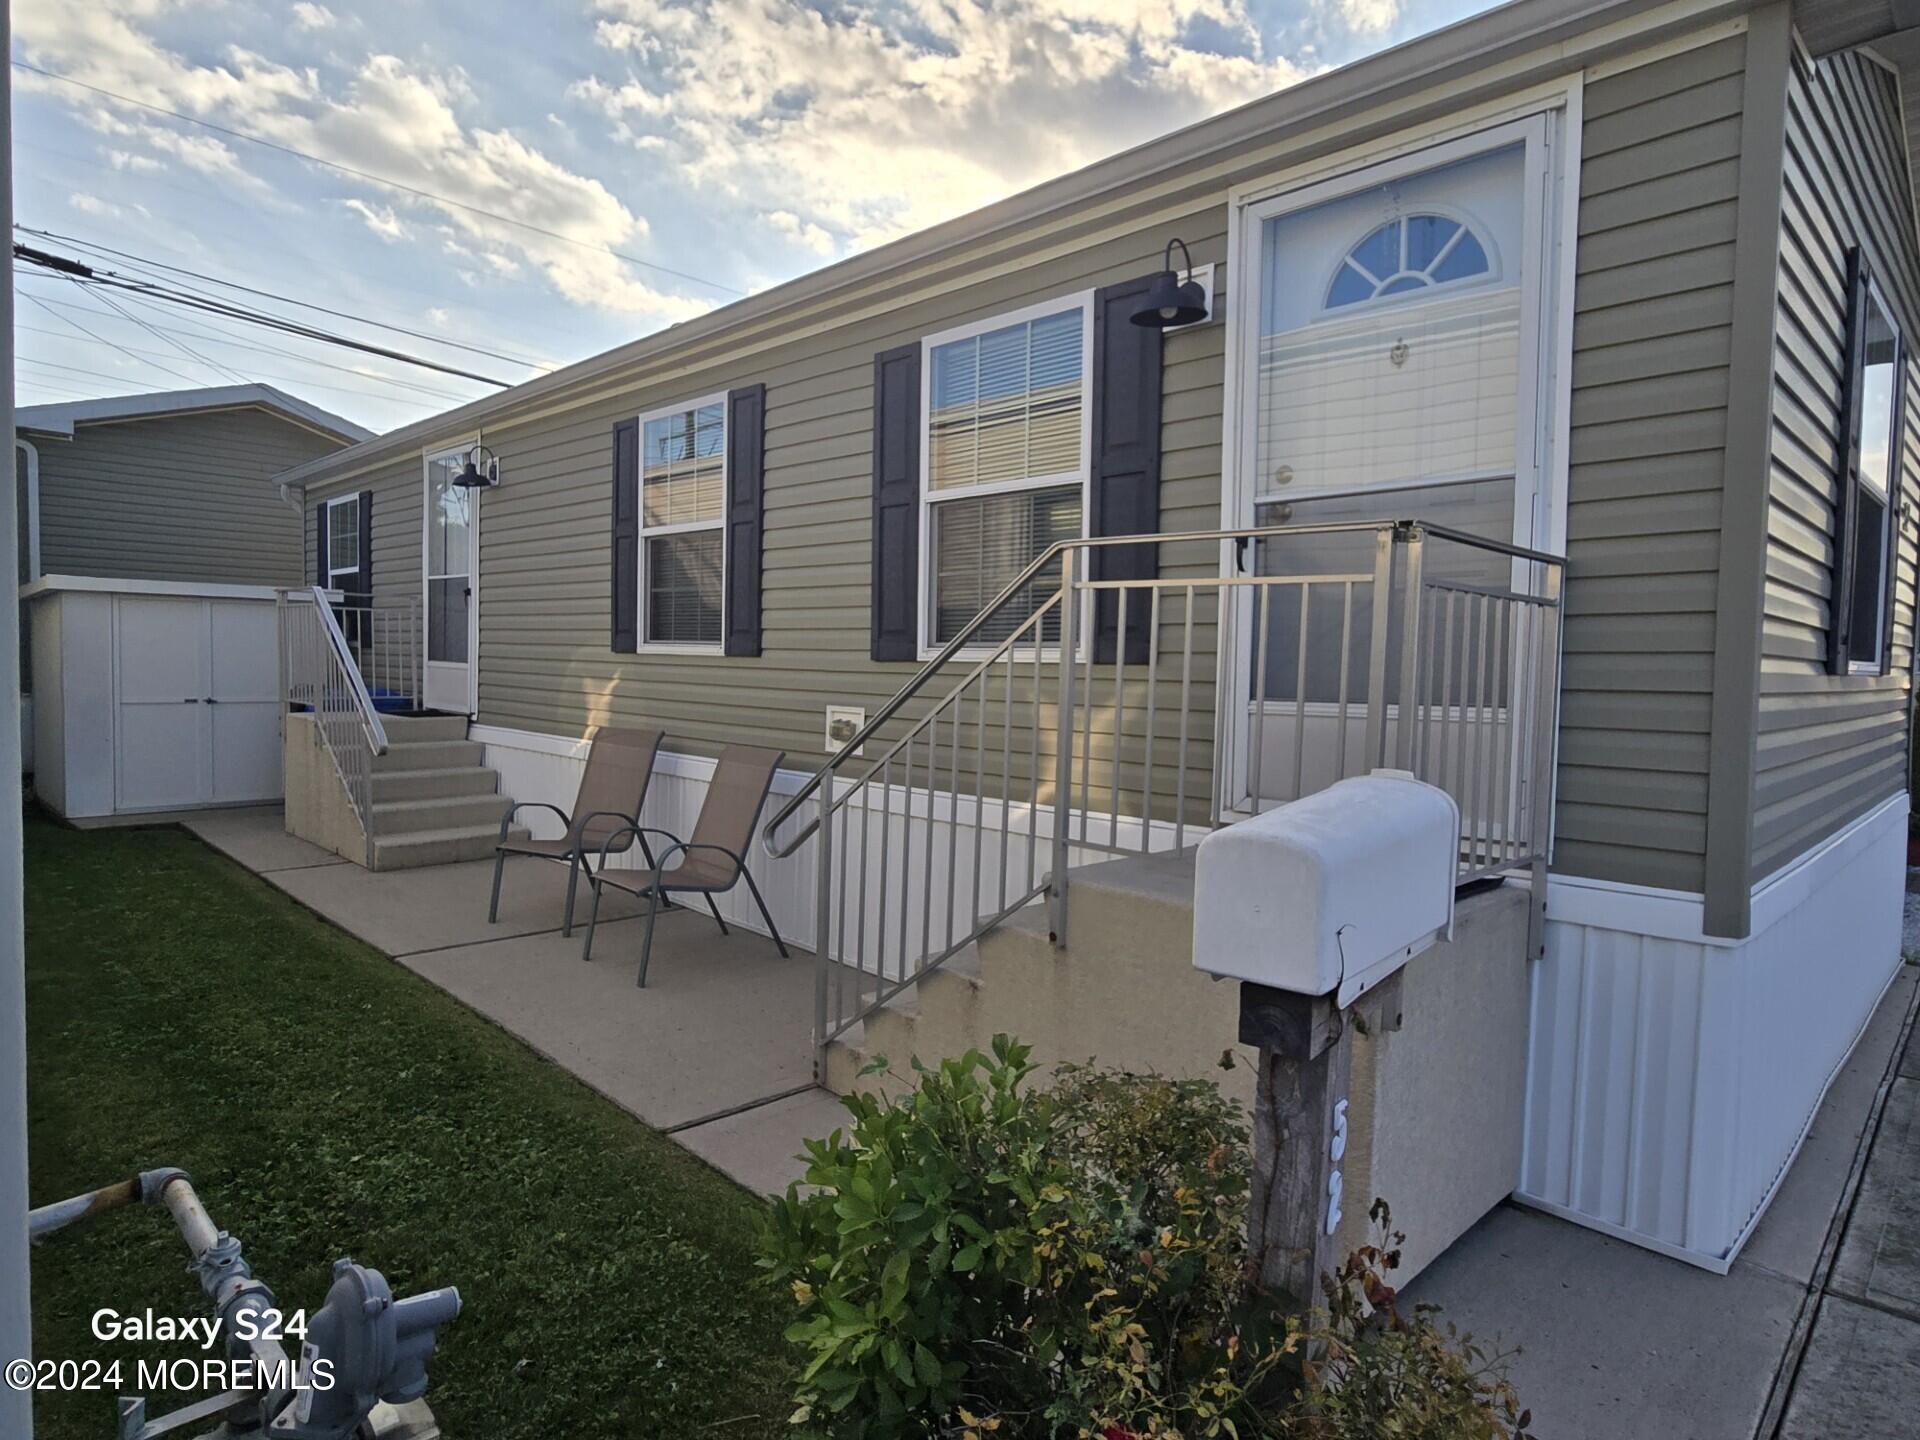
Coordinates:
(683, 487)
(1869, 481)
(1006, 466)
(343, 542)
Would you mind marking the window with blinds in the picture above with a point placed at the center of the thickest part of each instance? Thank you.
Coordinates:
(1006, 462)
(343, 537)
(683, 467)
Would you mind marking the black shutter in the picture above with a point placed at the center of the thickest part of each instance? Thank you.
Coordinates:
(1840, 603)
(626, 535)
(363, 579)
(1125, 462)
(896, 503)
(320, 544)
(746, 515)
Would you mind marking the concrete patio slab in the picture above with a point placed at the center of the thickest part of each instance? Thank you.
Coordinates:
(1616, 1343)
(1788, 1238)
(724, 1021)
(257, 838)
(436, 906)
(758, 1147)
(1880, 1255)
(1861, 1375)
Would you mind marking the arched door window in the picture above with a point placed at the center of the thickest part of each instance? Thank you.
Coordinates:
(1411, 253)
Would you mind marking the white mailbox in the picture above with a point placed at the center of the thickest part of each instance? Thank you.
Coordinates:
(1332, 893)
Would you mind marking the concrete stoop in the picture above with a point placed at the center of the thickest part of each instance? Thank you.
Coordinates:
(1436, 1107)
(435, 802)
(1123, 989)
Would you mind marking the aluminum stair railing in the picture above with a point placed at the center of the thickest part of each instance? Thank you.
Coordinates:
(1019, 751)
(322, 678)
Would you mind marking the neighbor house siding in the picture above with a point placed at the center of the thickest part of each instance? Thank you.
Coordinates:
(1831, 747)
(180, 497)
(1660, 156)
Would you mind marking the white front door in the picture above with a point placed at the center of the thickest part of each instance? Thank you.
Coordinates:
(1388, 352)
(450, 576)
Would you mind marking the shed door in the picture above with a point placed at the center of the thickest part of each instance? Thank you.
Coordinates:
(244, 718)
(162, 751)
(196, 716)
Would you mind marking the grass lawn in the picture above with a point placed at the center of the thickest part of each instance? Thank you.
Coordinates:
(327, 1102)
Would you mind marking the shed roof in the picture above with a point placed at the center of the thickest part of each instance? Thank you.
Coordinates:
(61, 419)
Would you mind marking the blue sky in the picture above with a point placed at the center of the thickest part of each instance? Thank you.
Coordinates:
(728, 144)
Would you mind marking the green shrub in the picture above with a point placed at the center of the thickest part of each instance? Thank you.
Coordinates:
(978, 1259)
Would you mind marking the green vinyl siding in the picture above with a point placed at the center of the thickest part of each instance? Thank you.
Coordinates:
(1660, 150)
(1831, 747)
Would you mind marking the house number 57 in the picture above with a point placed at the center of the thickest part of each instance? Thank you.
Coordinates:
(1337, 1151)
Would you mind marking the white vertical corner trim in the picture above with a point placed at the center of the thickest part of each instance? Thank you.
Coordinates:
(1672, 1076)
(32, 453)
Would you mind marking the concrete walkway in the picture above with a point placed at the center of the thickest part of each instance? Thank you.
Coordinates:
(715, 1050)
(1815, 1332)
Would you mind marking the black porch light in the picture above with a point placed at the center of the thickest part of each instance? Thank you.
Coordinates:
(481, 472)
(1169, 302)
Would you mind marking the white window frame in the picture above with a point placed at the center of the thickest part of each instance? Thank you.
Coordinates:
(929, 497)
(1882, 662)
(336, 570)
(645, 532)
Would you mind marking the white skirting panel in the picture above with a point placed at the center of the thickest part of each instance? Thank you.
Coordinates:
(1672, 1076)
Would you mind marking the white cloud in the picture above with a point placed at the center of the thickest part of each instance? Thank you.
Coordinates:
(312, 17)
(1369, 17)
(104, 209)
(388, 119)
(802, 232)
(127, 160)
(868, 121)
(380, 219)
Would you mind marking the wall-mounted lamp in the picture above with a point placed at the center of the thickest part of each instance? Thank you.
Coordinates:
(481, 472)
(1170, 302)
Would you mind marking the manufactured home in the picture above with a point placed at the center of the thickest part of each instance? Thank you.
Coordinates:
(1527, 408)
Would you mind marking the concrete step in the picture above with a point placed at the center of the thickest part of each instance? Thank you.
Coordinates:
(437, 847)
(391, 785)
(431, 755)
(405, 817)
(425, 727)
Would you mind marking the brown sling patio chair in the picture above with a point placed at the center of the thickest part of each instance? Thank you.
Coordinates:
(619, 765)
(713, 861)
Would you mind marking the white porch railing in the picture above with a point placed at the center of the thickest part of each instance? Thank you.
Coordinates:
(320, 676)
(1080, 717)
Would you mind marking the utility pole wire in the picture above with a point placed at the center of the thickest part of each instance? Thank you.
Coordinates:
(141, 260)
(87, 277)
(102, 340)
(373, 179)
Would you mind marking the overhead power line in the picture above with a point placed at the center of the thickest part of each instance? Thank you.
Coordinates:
(142, 261)
(88, 277)
(373, 179)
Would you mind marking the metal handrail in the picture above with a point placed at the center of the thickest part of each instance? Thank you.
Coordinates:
(370, 721)
(968, 632)
(319, 673)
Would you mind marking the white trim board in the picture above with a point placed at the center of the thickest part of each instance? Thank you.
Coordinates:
(111, 585)
(1679, 915)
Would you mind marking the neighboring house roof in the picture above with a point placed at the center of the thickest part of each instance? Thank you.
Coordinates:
(60, 419)
(1468, 47)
